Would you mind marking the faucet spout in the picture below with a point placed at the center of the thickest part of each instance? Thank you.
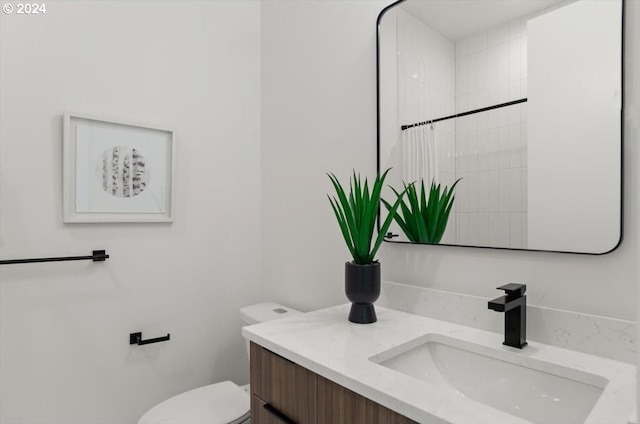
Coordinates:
(499, 304)
(506, 303)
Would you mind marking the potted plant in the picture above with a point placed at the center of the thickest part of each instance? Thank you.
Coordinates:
(424, 220)
(356, 213)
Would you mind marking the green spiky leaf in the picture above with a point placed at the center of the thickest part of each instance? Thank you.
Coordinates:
(424, 216)
(356, 214)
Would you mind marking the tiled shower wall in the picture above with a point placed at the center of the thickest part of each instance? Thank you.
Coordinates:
(438, 77)
(491, 68)
(426, 89)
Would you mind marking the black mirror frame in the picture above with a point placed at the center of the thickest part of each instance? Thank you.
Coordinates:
(387, 239)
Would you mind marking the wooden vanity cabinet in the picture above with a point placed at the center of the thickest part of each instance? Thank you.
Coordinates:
(285, 393)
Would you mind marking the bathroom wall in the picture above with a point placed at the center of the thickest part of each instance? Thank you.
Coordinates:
(319, 115)
(192, 66)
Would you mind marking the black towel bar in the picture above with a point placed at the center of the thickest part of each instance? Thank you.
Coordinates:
(96, 256)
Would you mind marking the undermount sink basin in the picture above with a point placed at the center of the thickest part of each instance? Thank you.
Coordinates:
(535, 390)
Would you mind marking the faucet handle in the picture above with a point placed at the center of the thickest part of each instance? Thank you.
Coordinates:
(514, 289)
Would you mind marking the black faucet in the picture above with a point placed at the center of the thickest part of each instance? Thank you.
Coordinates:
(514, 306)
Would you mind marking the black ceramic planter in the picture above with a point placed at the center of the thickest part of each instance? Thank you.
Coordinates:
(362, 286)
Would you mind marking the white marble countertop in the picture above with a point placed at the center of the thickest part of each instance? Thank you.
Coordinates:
(326, 343)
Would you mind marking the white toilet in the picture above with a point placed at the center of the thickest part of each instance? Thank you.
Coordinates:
(219, 403)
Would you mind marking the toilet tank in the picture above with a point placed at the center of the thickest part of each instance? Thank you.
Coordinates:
(263, 312)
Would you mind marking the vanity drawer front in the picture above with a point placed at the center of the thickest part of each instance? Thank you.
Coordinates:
(260, 415)
(339, 405)
(285, 386)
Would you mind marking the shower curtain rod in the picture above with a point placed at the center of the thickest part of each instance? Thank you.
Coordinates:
(471, 112)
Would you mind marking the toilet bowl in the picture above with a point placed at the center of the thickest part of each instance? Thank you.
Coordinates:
(219, 403)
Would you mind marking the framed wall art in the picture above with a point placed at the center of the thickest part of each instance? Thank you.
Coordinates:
(116, 171)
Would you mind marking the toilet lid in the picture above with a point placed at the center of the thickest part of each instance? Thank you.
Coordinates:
(220, 403)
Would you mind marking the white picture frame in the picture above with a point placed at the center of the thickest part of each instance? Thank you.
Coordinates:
(116, 171)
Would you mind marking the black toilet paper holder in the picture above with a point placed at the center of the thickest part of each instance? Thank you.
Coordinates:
(136, 339)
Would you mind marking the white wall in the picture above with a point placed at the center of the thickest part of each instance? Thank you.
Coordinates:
(319, 115)
(574, 125)
(190, 66)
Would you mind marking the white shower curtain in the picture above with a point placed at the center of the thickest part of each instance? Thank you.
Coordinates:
(419, 155)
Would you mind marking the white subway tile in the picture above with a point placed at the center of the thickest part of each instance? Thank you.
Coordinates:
(503, 116)
(483, 229)
(494, 229)
(515, 147)
(412, 99)
(464, 163)
(523, 142)
(483, 69)
(463, 229)
(483, 120)
(462, 125)
(503, 63)
(493, 66)
(473, 122)
(449, 233)
(493, 142)
(523, 113)
(516, 190)
(473, 229)
(504, 225)
(525, 190)
(473, 101)
(422, 100)
(514, 114)
(472, 193)
(523, 57)
(493, 118)
(402, 100)
(483, 191)
(473, 151)
(462, 84)
(474, 60)
(494, 95)
(515, 59)
(505, 190)
(503, 93)
(462, 103)
(515, 91)
(483, 100)
(483, 150)
(516, 231)
(494, 191)
(462, 193)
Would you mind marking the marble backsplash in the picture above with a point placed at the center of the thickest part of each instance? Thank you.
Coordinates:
(597, 335)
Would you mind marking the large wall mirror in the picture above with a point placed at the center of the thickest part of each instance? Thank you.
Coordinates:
(520, 101)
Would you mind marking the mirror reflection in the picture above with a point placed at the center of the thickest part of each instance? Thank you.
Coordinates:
(519, 101)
